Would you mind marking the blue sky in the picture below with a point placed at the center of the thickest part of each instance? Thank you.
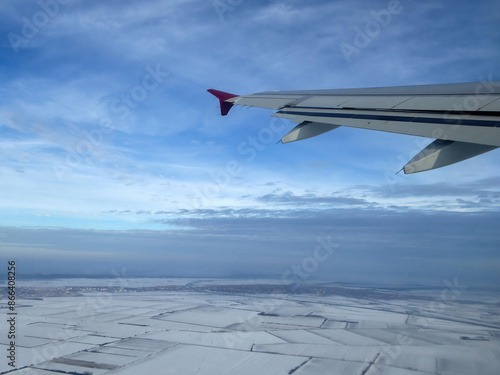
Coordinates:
(112, 153)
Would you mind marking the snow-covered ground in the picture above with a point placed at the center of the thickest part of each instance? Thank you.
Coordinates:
(200, 332)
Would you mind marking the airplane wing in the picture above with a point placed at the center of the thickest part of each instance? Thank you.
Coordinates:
(463, 118)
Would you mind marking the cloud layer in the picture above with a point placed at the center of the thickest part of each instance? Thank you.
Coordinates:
(108, 138)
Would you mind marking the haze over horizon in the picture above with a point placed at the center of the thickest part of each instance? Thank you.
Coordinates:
(113, 155)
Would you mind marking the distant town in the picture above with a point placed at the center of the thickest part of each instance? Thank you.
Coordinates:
(235, 289)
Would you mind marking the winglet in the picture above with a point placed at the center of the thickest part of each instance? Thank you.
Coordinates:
(223, 96)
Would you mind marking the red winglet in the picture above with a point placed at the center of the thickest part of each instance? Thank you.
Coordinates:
(223, 96)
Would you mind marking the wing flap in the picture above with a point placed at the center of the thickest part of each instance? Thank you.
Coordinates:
(333, 101)
(270, 101)
(447, 103)
(436, 103)
(494, 106)
(376, 102)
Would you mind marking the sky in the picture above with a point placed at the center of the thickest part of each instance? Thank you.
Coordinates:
(114, 158)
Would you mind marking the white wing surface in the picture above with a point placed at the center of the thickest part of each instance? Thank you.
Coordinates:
(463, 118)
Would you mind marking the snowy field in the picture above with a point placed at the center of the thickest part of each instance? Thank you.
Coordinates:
(203, 332)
